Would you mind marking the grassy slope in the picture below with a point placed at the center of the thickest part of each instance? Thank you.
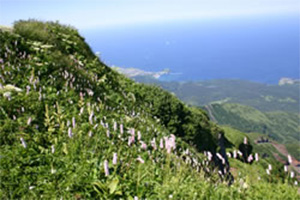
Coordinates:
(60, 129)
(281, 126)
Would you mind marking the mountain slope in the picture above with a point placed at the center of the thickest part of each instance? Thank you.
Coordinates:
(281, 126)
(72, 128)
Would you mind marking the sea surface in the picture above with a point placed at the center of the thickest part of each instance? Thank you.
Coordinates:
(261, 49)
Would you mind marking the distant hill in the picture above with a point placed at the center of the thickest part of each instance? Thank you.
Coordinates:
(263, 97)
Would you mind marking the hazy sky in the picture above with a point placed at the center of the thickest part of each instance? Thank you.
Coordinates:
(102, 13)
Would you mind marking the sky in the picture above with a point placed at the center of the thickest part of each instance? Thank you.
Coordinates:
(89, 14)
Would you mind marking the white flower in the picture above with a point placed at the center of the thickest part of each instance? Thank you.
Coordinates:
(52, 149)
(23, 142)
(290, 159)
(106, 170)
(292, 174)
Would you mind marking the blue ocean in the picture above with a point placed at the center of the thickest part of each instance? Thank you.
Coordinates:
(261, 49)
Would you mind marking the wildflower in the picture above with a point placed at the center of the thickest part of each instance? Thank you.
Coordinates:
(29, 121)
(153, 144)
(139, 135)
(90, 133)
(245, 141)
(91, 117)
(106, 170)
(161, 145)
(296, 182)
(240, 153)
(136, 198)
(250, 158)
(121, 129)
(115, 158)
(115, 126)
(23, 142)
(268, 171)
(234, 154)
(31, 187)
(140, 160)
(209, 156)
(285, 168)
(52, 149)
(290, 159)
(73, 122)
(143, 145)
(81, 111)
(130, 140)
(28, 89)
(70, 134)
(256, 157)
(270, 167)
(292, 174)
(107, 133)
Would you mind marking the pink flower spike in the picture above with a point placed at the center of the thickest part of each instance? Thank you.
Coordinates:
(140, 160)
(115, 158)
(121, 129)
(70, 134)
(161, 145)
(139, 135)
(106, 170)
